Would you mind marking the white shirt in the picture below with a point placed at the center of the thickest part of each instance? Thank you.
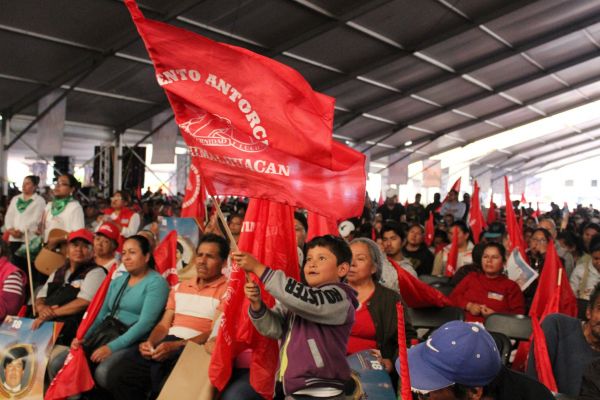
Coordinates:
(577, 276)
(71, 219)
(28, 220)
(441, 259)
(87, 286)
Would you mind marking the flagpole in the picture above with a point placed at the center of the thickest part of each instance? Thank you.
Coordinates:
(29, 271)
(225, 225)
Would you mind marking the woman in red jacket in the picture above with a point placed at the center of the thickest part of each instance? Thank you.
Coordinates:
(482, 294)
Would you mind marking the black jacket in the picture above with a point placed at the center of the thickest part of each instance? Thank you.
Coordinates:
(382, 307)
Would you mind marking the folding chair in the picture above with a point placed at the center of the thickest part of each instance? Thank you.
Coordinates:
(503, 345)
(515, 326)
(433, 279)
(429, 319)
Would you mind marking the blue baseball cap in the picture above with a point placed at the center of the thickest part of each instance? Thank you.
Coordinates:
(457, 352)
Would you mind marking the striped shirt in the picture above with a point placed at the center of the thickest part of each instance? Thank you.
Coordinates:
(13, 284)
(195, 308)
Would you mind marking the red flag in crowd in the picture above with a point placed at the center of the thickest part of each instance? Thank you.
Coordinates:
(523, 201)
(416, 293)
(267, 233)
(491, 215)
(476, 221)
(553, 295)
(381, 200)
(537, 211)
(75, 377)
(543, 366)
(262, 134)
(319, 225)
(406, 393)
(452, 262)
(165, 258)
(429, 229)
(514, 231)
(455, 187)
(194, 202)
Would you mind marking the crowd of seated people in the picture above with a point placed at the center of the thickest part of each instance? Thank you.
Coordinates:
(114, 239)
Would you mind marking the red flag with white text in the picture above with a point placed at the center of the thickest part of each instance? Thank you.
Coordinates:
(194, 201)
(75, 377)
(267, 233)
(165, 257)
(263, 133)
(476, 221)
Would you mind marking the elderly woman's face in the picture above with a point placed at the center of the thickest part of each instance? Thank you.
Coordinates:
(362, 267)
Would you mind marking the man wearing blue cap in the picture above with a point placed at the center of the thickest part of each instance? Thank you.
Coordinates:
(461, 361)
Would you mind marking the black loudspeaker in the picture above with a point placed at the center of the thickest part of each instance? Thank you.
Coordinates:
(62, 165)
(133, 168)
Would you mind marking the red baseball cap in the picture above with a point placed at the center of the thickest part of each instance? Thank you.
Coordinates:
(109, 230)
(81, 234)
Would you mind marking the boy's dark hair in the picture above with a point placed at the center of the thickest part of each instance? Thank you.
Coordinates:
(338, 246)
(219, 241)
(393, 226)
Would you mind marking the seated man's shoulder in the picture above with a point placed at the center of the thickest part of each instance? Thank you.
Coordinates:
(561, 322)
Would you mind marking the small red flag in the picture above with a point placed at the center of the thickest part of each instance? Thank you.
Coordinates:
(381, 200)
(491, 214)
(554, 293)
(267, 233)
(429, 229)
(416, 293)
(75, 377)
(451, 263)
(194, 202)
(476, 221)
(319, 225)
(523, 201)
(165, 257)
(514, 231)
(402, 355)
(542, 359)
(537, 211)
(455, 187)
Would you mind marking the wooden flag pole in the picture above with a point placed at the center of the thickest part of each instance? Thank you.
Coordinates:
(30, 273)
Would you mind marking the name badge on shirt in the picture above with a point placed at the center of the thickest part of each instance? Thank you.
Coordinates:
(77, 284)
(495, 296)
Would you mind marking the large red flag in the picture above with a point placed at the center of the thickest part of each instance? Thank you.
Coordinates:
(253, 126)
(416, 293)
(165, 257)
(514, 231)
(194, 202)
(267, 233)
(553, 295)
(429, 229)
(491, 214)
(75, 377)
(452, 262)
(476, 221)
(542, 359)
(319, 225)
